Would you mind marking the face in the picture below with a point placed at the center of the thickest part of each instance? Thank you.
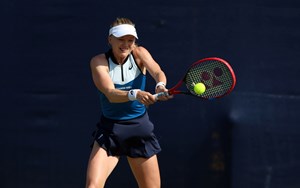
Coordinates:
(122, 46)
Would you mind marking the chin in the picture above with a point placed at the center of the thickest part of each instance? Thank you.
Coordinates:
(125, 52)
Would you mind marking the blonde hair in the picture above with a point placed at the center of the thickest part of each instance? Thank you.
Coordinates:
(120, 21)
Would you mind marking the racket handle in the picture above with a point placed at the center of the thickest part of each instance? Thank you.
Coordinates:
(157, 95)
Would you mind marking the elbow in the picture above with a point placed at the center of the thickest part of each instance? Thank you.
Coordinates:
(109, 94)
(113, 96)
(111, 100)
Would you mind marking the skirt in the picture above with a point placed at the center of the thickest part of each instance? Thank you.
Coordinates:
(133, 138)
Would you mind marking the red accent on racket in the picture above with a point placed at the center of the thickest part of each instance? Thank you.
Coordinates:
(215, 73)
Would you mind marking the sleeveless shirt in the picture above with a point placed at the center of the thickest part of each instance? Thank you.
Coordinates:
(125, 77)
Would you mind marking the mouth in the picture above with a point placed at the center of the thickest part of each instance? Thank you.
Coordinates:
(123, 49)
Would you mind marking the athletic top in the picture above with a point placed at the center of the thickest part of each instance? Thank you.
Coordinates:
(125, 77)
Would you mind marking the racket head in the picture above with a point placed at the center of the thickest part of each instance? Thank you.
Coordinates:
(215, 73)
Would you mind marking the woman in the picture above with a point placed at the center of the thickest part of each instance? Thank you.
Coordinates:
(124, 128)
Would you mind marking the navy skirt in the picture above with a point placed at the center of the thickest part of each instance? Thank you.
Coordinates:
(133, 138)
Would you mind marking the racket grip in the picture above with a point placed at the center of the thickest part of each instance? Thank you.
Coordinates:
(157, 95)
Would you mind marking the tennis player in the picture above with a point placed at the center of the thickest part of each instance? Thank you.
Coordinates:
(124, 128)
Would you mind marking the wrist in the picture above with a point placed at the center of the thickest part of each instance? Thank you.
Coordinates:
(132, 94)
(160, 84)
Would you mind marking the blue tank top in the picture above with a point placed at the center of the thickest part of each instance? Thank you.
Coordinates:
(125, 77)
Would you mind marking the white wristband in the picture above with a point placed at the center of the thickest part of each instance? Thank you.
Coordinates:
(160, 84)
(132, 94)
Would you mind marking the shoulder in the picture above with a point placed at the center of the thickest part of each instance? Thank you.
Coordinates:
(140, 51)
(98, 60)
(142, 54)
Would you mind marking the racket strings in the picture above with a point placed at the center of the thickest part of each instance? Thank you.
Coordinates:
(214, 74)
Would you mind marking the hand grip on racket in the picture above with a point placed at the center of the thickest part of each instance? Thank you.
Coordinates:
(157, 95)
(215, 73)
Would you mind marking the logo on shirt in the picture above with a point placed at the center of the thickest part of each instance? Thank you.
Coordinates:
(131, 66)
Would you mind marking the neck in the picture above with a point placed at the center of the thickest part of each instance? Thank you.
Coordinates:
(119, 59)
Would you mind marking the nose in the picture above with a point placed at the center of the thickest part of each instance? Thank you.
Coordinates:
(126, 43)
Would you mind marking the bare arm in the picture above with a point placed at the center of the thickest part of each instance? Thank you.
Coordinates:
(145, 58)
(103, 82)
(150, 64)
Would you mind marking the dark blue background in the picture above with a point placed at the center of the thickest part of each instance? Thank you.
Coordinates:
(49, 105)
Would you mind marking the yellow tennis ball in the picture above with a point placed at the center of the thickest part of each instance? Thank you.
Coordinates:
(199, 88)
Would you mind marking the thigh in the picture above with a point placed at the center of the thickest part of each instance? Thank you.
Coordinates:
(146, 171)
(100, 167)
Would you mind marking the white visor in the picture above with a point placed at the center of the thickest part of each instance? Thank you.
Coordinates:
(122, 30)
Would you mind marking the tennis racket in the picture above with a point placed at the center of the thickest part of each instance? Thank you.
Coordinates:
(215, 73)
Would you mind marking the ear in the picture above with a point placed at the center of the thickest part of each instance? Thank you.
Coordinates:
(109, 40)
